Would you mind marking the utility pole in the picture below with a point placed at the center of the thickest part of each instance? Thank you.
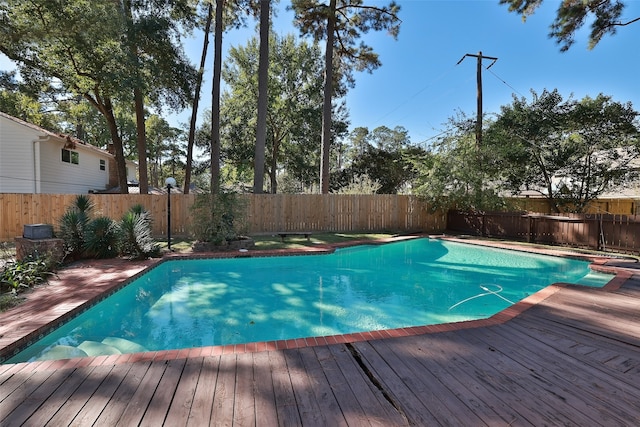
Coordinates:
(479, 80)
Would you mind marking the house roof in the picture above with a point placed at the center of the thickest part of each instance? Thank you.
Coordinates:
(72, 140)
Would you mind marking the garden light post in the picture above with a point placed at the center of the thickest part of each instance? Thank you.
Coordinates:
(170, 182)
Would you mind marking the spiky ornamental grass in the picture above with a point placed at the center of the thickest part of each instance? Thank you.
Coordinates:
(136, 240)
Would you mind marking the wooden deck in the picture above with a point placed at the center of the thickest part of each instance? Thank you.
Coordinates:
(573, 359)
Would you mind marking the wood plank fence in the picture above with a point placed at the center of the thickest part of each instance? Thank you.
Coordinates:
(619, 233)
(265, 212)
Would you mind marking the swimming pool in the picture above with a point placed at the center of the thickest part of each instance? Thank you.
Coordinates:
(196, 303)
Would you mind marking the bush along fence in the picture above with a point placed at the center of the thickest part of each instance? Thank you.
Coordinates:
(265, 213)
(604, 232)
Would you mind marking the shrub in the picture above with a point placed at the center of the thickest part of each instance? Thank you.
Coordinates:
(218, 218)
(17, 276)
(136, 240)
(101, 238)
(73, 226)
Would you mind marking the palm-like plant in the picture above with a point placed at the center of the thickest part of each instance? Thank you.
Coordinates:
(136, 240)
(101, 238)
(73, 224)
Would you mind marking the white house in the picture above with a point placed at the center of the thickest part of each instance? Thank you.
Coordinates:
(35, 160)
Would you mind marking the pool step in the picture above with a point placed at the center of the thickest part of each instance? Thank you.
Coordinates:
(110, 345)
(94, 348)
(125, 346)
(62, 352)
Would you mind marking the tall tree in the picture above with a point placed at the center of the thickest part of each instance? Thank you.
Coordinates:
(42, 39)
(215, 97)
(138, 97)
(572, 15)
(341, 23)
(196, 98)
(263, 85)
(228, 14)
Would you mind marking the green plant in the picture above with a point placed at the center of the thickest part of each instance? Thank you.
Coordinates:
(101, 238)
(136, 240)
(73, 226)
(9, 300)
(20, 275)
(218, 218)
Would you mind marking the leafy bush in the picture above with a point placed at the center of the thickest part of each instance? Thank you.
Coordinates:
(101, 238)
(218, 218)
(136, 240)
(360, 184)
(17, 276)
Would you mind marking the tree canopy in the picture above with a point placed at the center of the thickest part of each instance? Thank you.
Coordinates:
(605, 17)
(131, 47)
(569, 151)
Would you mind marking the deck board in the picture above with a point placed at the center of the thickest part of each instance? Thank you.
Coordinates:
(556, 394)
(62, 392)
(157, 408)
(467, 379)
(572, 359)
(31, 391)
(321, 388)
(423, 409)
(285, 400)
(244, 411)
(308, 407)
(101, 397)
(119, 400)
(78, 400)
(263, 389)
(199, 411)
(378, 409)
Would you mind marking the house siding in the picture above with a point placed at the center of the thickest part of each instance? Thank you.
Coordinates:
(67, 178)
(31, 161)
(17, 168)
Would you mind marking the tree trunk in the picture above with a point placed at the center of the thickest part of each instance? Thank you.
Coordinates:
(141, 140)
(106, 109)
(141, 136)
(196, 101)
(326, 108)
(263, 82)
(275, 149)
(215, 102)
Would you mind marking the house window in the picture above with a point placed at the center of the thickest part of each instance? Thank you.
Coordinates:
(69, 156)
(103, 165)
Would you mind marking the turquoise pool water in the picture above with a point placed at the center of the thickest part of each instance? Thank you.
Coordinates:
(195, 303)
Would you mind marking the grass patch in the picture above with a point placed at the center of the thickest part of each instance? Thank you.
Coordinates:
(274, 241)
(9, 300)
(266, 242)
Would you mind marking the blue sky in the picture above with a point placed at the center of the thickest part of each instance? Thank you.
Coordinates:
(419, 86)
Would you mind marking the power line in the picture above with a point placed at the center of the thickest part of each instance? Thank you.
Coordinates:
(504, 82)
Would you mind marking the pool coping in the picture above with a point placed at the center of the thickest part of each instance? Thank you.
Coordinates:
(57, 314)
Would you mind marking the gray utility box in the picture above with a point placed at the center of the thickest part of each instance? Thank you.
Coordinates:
(38, 231)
